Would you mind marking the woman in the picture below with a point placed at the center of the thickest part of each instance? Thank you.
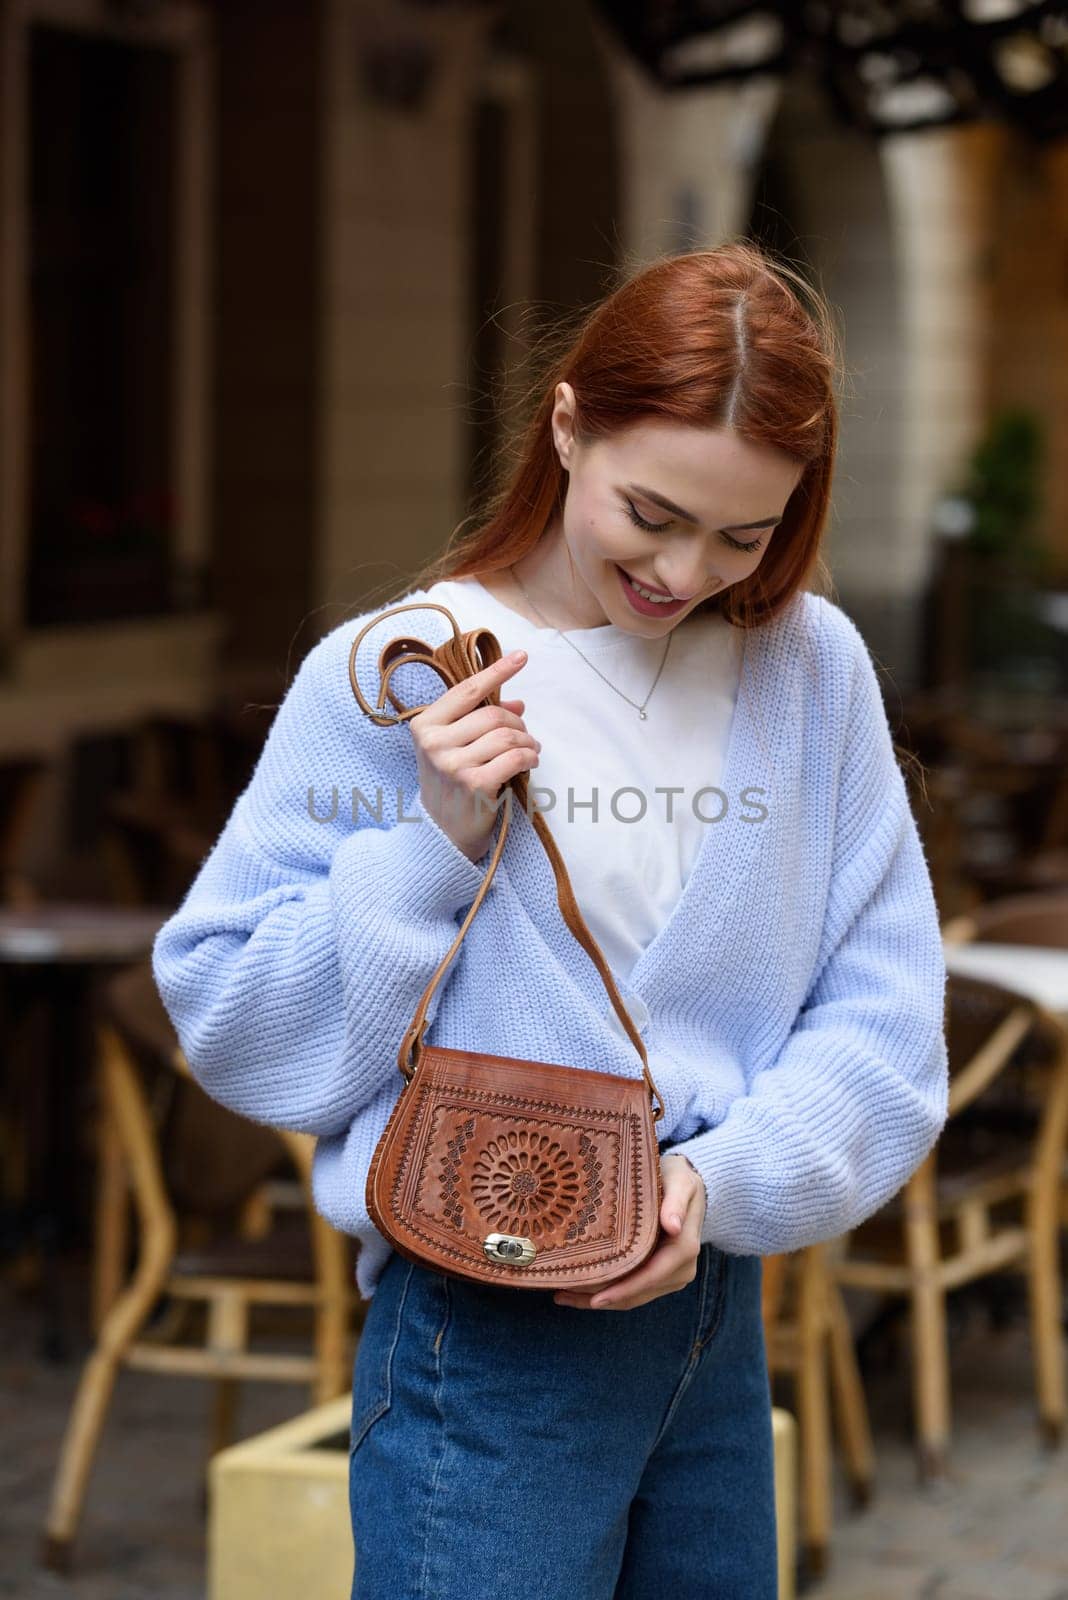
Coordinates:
(707, 740)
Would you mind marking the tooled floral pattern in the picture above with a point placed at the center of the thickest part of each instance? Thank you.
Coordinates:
(450, 1169)
(525, 1182)
(593, 1169)
(549, 1267)
(583, 1211)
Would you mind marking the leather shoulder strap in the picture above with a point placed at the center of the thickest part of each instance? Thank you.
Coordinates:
(453, 660)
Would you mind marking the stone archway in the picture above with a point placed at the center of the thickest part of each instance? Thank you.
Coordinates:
(820, 200)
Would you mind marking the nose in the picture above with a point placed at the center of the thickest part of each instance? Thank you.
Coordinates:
(683, 569)
(685, 582)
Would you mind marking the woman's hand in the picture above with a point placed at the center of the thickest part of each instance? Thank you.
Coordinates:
(465, 752)
(673, 1264)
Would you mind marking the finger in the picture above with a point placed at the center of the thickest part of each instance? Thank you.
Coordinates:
(479, 747)
(616, 1305)
(664, 1262)
(616, 1300)
(680, 1190)
(466, 695)
(653, 1274)
(678, 1196)
(678, 1212)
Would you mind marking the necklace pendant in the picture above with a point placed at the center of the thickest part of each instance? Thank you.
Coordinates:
(641, 714)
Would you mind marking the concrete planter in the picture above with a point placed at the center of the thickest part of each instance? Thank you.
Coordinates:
(279, 1516)
(278, 1522)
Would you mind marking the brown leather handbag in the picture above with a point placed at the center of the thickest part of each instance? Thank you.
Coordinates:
(503, 1170)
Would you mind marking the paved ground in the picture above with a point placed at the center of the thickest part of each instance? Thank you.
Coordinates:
(998, 1530)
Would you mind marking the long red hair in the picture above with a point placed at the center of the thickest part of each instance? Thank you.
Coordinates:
(722, 338)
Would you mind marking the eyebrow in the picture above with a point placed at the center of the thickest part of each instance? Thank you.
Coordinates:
(688, 516)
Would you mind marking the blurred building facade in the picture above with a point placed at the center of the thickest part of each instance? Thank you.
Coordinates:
(271, 273)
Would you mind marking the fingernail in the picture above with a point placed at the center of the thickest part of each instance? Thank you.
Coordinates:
(676, 1220)
(516, 655)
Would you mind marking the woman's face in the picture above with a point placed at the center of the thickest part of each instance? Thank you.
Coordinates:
(725, 494)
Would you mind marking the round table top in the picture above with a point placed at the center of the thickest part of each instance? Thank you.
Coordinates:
(1038, 971)
(78, 931)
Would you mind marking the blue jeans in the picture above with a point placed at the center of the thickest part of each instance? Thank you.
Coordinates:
(503, 1445)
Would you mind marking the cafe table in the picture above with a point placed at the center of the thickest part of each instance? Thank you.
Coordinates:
(1038, 971)
(53, 956)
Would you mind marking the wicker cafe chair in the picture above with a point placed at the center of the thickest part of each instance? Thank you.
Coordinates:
(1017, 777)
(185, 772)
(1039, 918)
(984, 1201)
(173, 1151)
(214, 1163)
(809, 1338)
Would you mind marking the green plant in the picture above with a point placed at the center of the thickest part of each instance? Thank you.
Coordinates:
(1002, 485)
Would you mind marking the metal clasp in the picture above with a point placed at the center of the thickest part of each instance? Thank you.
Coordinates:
(510, 1249)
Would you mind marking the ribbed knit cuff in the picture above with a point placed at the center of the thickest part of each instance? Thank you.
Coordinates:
(761, 1188)
(416, 865)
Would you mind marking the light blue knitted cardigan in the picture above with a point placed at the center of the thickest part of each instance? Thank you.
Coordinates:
(792, 1005)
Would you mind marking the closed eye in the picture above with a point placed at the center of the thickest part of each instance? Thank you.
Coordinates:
(659, 527)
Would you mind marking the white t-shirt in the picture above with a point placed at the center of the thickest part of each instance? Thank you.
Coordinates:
(602, 771)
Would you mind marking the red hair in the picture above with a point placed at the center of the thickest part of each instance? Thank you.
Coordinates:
(720, 338)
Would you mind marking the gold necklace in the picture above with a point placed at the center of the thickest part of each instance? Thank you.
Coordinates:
(639, 708)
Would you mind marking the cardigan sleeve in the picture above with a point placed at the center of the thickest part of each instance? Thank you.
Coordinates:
(298, 956)
(856, 1097)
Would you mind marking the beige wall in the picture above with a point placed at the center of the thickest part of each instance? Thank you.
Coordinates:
(838, 227)
(393, 320)
(398, 315)
(696, 149)
(942, 188)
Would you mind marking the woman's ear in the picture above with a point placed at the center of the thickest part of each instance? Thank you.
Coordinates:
(563, 424)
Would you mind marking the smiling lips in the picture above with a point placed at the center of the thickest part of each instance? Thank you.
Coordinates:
(644, 606)
(652, 588)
